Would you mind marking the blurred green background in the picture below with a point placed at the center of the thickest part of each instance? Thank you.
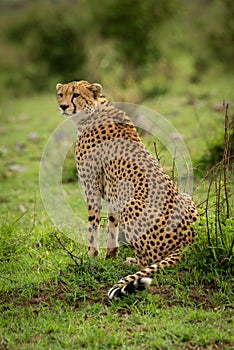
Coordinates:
(147, 46)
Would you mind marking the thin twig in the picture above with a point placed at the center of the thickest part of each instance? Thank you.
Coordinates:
(73, 257)
(19, 218)
(226, 157)
(173, 167)
(156, 152)
(34, 214)
(218, 204)
(207, 216)
(216, 213)
(210, 171)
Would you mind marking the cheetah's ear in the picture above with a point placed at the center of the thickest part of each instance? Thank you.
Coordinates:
(96, 89)
(58, 86)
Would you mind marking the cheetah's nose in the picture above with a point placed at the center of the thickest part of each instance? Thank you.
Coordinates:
(64, 107)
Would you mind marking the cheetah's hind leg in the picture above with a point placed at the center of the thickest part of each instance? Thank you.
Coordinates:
(130, 261)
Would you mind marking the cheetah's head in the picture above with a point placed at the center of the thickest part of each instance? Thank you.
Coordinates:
(77, 96)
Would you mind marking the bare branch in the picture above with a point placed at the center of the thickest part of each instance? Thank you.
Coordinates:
(73, 257)
(156, 152)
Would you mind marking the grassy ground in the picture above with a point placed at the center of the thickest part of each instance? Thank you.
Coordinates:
(52, 296)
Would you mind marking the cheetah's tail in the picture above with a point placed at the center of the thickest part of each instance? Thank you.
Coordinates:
(142, 279)
(132, 283)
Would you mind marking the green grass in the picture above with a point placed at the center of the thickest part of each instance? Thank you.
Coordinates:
(116, 327)
(49, 300)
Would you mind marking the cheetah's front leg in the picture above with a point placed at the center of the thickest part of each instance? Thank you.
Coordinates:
(94, 215)
(112, 245)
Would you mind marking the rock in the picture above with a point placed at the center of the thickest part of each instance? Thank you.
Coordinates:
(22, 117)
(16, 168)
(19, 147)
(3, 151)
(34, 136)
(22, 208)
(220, 107)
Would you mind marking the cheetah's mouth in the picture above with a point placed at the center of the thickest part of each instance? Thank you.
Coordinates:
(65, 114)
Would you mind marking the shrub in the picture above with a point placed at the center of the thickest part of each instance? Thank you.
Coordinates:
(133, 25)
(222, 36)
(53, 40)
(218, 146)
(214, 248)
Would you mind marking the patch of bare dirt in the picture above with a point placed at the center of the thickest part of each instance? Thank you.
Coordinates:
(48, 293)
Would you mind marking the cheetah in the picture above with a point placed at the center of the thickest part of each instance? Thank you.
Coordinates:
(113, 164)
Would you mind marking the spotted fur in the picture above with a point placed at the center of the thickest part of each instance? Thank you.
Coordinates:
(114, 164)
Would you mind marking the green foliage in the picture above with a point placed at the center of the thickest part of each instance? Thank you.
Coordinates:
(222, 37)
(217, 225)
(145, 42)
(69, 168)
(53, 42)
(214, 152)
(57, 44)
(133, 25)
(48, 301)
(9, 243)
(97, 326)
(212, 253)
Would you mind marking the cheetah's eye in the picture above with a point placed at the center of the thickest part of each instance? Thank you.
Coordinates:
(75, 95)
(60, 95)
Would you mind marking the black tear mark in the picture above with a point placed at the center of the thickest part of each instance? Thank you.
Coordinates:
(72, 101)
